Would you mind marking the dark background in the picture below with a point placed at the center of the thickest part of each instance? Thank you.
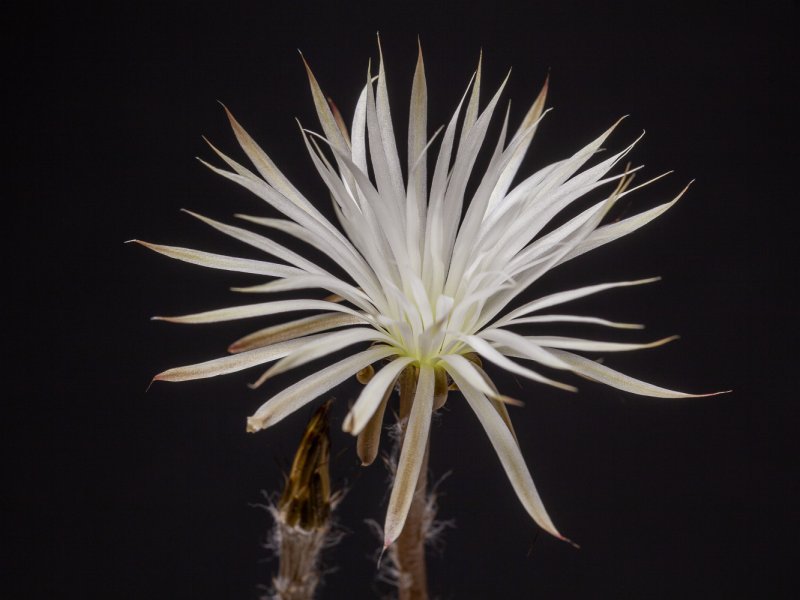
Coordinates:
(114, 492)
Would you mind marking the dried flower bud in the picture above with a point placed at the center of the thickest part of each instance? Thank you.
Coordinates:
(305, 501)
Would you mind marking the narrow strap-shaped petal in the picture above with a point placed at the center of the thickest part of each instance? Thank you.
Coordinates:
(455, 363)
(568, 343)
(339, 248)
(222, 262)
(602, 374)
(386, 128)
(417, 189)
(329, 126)
(264, 164)
(293, 329)
(305, 390)
(566, 296)
(614, 231)
(360, 272)
(327, 343)
(473, 106)
(572, 319)
(509, 454)
(237, 362)
(262, 243)
(527, 346)
(510, 170)
(411, 456)
(303, 282)
(491, 354)
(260, 310)
(371, 395)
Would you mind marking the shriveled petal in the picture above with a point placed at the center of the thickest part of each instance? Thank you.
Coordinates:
(369, 439)
(440, 389)
(301, 393)
(509, 454)
(371, 395)
(411, 456)
(602, 374)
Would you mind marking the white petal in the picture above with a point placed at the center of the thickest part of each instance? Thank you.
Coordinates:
(528, 347)
(262, 243)
(260, 310)
(219, 261)
(304, 282)
(567, 343)
(264, 164)
(455, 363)
(483, 348)
(561, 297)
(326, 344)
(304, 391)
(614, 231)
(573, 319)
(509, 454)
(412, 456)
(602, 374)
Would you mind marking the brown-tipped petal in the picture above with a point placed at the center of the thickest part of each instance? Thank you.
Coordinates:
(368, 441)
(219, 261)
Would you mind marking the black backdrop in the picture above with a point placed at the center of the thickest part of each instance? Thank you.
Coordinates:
(114, 492)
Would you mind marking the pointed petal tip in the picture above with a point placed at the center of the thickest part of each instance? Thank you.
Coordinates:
(712, 394)
(569, 541)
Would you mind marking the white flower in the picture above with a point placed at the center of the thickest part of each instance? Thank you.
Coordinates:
(423, 277)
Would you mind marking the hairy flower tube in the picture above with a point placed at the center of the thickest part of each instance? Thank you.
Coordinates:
(423, 276)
